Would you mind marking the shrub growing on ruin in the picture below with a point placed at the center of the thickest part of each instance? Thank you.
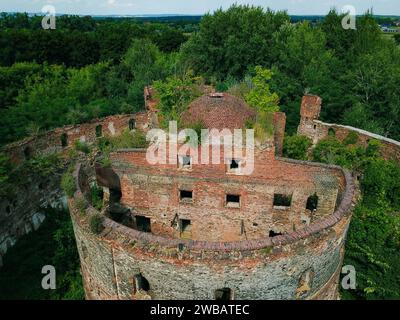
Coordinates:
(175, 94)
(96, 224)
(68, 184)
(264, 126)
(80, 205)
(296, 147)
(96, 197)
(260, 96)
(351, 138)
(126, 140)
(81, 146)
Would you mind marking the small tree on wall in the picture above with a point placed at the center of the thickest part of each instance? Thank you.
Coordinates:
(260, 96)
(264, 101)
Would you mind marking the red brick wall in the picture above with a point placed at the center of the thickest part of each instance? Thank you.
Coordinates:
(153, 191)
(265, 268)
(310, 106)
(279, 131)
(50, 141)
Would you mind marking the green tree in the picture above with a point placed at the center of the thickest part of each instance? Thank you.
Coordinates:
(260, 96)
(175, 94)
(296, 147)
(232, 42)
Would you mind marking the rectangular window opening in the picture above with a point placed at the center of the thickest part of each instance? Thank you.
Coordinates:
(185, 162)
(233, 201)
(185, 227)
(186, 195)
(143, 224)
(282, 200)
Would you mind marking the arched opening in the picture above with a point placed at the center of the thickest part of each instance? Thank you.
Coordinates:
(331, 132)
(223, 294)
(99, 131)
(28, 152)
(312, 202)
(132, 124)
(141, 283)
(64, 140)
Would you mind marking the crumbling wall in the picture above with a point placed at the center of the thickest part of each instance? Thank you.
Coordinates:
(279, 131)
(153, 191)
(301, 265)
(22, 211)
(61, 139)
(316, 130)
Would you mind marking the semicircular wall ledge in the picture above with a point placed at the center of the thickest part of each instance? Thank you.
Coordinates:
(304, 264)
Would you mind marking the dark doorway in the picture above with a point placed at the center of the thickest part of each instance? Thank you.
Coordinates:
(64, 140)
(99, 131)
(312, 202)
(141, 283)
(185, 227)
(132, 124)
(115, 195)
(143, 224)
(28, 153)
(223, 294)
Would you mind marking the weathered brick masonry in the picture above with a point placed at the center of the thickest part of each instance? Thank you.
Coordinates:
(23, 212)
(316, 130)
(211, 229)
(154, 191)
(61, 139)
(296, 265)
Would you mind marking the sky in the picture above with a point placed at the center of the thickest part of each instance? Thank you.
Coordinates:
(139, 7)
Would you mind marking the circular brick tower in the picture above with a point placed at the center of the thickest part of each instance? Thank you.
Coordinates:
(189, 230)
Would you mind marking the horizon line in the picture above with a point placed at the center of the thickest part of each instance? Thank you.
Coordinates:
(157, 15)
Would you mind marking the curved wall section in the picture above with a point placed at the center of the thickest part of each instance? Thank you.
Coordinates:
(300, 265)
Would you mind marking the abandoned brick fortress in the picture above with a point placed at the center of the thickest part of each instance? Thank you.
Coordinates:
(195, 231)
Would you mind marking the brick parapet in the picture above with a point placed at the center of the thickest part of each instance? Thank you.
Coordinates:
(344, 210)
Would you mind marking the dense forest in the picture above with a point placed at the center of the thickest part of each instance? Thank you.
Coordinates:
(95, 67)
(89, 68)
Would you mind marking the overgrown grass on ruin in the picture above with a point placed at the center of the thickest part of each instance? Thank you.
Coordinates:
(96, 224)
(68, 182)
